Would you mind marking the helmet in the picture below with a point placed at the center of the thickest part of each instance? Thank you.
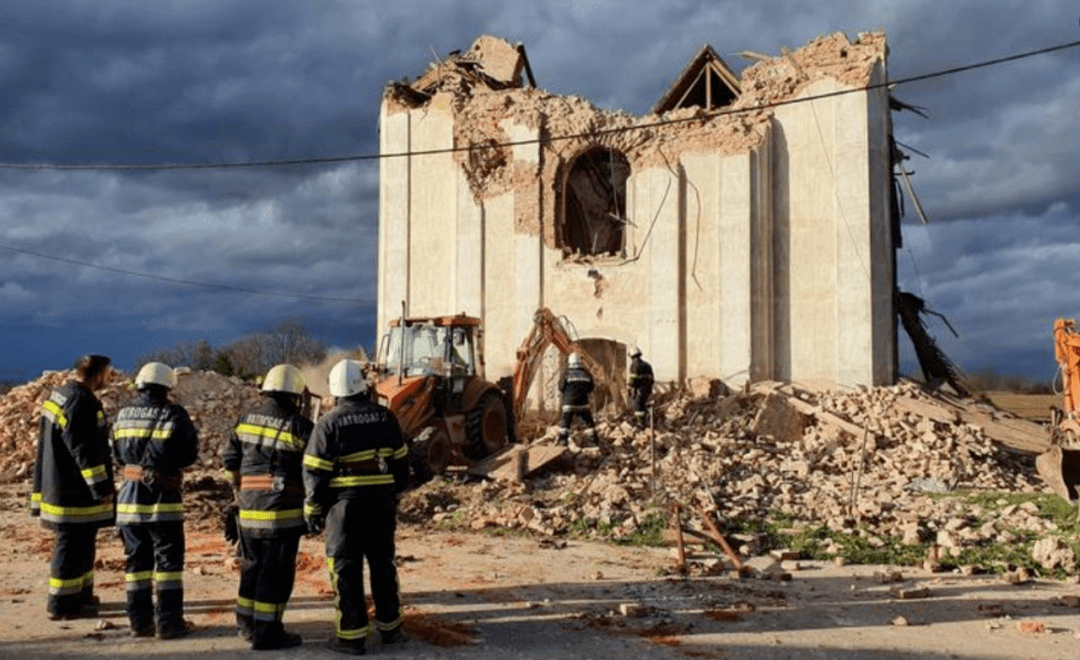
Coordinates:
(635, 352)
(156, 373)
(574, 361)
(347, 379)
(284, 378)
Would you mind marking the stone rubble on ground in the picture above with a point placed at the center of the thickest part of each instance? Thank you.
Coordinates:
(213, 401)
(868, 462)
(871, 463)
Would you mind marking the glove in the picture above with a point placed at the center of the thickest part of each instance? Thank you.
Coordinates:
(232, 523)
(315, 524)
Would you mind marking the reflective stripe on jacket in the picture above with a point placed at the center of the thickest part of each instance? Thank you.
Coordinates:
(641, 374)
(73, 471)
(575, 384)
(263, 461)
(154, 440)
(355, 446)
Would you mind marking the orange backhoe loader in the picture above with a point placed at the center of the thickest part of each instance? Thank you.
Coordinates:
(1060, 466)
(430, 373)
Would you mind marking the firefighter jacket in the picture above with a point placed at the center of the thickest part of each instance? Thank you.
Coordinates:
(641, 375)
(153, 440)
(355, 448)
(73, 471)
(575, 384)
(264, 461)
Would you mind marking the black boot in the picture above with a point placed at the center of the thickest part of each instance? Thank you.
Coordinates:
(170, 614)
(244, 627)
(271, 636)
(348, 646)
(394, 636)
(140, 611)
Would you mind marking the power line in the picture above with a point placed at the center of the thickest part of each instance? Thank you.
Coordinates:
(175, 280)
(320, 160)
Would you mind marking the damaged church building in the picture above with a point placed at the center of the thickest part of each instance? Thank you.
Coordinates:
(744, 230)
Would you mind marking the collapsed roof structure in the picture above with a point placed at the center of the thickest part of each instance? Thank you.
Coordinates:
(744, 230)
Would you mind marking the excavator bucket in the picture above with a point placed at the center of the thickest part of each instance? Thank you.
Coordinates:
(1060, 469)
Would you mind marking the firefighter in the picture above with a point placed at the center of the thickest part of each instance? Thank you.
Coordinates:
(354, 467)
(153, 440)
(263, 461)
(641, 384)
(575, 384)
(73, 486)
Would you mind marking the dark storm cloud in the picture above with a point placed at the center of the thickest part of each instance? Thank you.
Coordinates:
(199, 81)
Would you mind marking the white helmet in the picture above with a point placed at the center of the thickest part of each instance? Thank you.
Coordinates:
(574, 361)
(156, 373)
(284, 378)
(347, 379)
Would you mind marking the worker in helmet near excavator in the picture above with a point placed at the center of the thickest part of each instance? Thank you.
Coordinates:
(354, 468)
(641, 384)
(153, 441)
(264, 462)
(575, 384)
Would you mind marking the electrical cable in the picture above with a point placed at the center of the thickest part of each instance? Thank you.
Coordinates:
(175, 280)
(589, 134)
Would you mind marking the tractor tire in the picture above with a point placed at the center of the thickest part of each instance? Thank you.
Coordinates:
(429, 454)
(487, 426)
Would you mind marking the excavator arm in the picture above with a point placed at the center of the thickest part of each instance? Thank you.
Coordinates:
(1067, 352)
(1059, 467)
(548, 330)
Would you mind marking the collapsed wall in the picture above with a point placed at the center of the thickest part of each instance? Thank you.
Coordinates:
(746, 242)
(483, 108)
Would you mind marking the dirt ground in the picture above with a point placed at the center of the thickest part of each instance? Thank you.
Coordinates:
(482, 596)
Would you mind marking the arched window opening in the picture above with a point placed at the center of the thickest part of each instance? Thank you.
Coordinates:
(594, 203)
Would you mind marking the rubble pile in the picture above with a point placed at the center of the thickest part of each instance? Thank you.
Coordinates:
(213, 401)
(20, 415)
(855, 461)
(870, 462)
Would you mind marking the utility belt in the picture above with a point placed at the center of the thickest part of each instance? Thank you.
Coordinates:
(151, 477)
(363, 468)
(275, 483)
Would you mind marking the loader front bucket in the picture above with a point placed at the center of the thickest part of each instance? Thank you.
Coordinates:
(1060, 469)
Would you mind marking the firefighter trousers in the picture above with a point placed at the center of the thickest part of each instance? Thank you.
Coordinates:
(71, 574)
(155, 560)
(567, 420)
(640, 398)
(356, 528)
(267, 575)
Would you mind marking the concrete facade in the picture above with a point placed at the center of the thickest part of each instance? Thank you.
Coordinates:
(756, 245)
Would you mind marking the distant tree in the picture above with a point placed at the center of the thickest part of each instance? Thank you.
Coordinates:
(222, 364)
(989, 380)
(202, 356)
(289, 341)
(249, 356)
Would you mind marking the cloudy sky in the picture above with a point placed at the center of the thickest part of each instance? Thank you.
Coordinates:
(193, 81)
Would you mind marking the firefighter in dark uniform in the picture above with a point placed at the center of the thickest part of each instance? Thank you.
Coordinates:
(153, 440)
(73, 486)
(575, 384)
(354, 467)
(263, 461)
(641, 384)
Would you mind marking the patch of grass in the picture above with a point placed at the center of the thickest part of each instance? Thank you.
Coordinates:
(649, 532)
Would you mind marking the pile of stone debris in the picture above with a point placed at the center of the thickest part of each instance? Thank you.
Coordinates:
(870, 462)
(213, 401)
